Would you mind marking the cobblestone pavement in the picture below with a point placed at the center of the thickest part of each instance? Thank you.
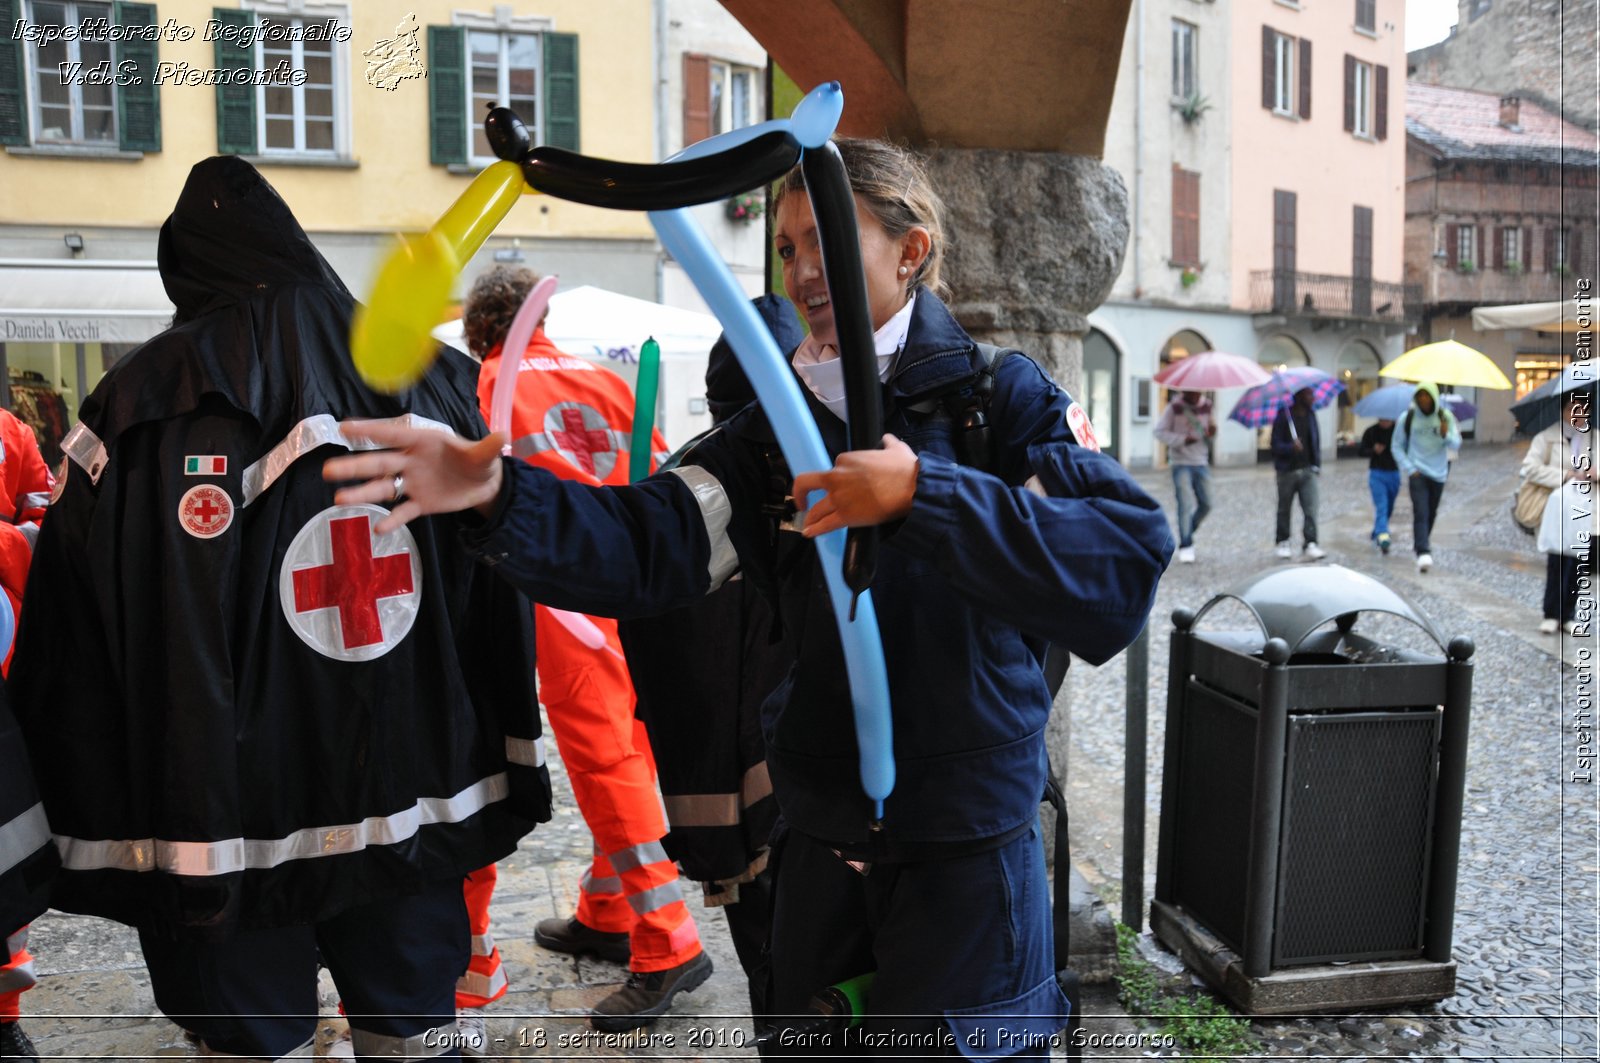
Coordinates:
(1525, 932)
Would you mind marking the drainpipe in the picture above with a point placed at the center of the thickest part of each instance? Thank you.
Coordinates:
(1138, 143)
(660, 64)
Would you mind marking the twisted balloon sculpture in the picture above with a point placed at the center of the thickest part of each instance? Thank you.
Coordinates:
(392, 348)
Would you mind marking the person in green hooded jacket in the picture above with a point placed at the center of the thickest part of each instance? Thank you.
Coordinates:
(1422, 439)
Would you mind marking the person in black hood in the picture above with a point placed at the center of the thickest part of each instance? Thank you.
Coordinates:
(262, 731)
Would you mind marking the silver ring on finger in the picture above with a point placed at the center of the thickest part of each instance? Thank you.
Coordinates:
(399, 485)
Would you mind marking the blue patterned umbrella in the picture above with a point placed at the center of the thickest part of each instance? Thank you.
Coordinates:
(1258, 407)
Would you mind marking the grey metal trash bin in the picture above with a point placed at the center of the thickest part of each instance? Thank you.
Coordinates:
(1311, 797)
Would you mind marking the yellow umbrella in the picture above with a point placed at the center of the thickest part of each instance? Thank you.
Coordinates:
(1448, 362)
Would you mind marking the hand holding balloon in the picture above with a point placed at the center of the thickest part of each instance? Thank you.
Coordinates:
(864, 488)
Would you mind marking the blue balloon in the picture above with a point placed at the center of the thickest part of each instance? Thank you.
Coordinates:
(8, 625)
(779, 392)
(811, 123)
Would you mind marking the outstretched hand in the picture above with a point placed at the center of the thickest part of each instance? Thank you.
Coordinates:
(439, 471)
(864, 487)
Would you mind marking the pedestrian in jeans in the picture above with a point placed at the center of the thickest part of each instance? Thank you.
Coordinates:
(1421, 442)
(1297, 456)
(1186, 427)
(1383, 478)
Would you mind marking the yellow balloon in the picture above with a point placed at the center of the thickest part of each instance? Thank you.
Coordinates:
(390, 337)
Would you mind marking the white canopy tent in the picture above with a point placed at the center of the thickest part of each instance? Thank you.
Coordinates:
(1562, 316)
(608, 328)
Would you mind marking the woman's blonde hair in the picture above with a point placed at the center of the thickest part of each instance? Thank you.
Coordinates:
(893, 185)
(492, 304)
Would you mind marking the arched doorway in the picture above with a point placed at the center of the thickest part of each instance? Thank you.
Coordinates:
(1357, 370)
(1277, 352)
(1179, 346)
(1102, 375)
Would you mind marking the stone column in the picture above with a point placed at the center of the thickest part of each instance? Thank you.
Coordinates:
(1035, 241)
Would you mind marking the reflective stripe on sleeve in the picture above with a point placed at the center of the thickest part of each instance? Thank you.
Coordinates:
(716, 511)
(35, 499)
(318, 430)
(242, 854)
(85, 448)
(22, 836)
(528, 752)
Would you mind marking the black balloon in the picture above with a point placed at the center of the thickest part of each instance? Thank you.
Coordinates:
(508, 136)
(661, 186)
(834, 206)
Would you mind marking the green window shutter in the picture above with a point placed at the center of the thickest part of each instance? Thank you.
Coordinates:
(447, 95)
(138, 101)
(13, 77)
(561, 90)
(236, 104)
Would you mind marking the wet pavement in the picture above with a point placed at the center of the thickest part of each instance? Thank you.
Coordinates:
(1525, 935)
(1525, 929)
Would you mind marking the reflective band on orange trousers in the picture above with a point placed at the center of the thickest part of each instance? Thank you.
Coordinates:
(631, 887)
(485, 978)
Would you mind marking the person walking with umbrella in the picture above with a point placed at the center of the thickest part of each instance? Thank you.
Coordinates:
(1560, 454)
(1421, 442)
(1186, 427)
(1297, 457)
(1383, 478)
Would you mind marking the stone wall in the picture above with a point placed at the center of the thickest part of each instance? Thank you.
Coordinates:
(1507, 49)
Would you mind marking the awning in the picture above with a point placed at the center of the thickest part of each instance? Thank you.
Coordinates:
(1561, 316)
(79, 301)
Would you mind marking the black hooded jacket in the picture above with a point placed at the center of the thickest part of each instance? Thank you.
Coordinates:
(243, 708)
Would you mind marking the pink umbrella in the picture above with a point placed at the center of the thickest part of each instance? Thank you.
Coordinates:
(1212, 370)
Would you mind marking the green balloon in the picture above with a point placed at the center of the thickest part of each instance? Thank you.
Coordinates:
(644, 410)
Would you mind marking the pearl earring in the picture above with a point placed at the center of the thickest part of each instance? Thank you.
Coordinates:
(903, 271)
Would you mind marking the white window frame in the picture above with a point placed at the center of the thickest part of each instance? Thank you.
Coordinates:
(33, 71)
(1362, 88)
(1185, 60)
(503, 22)
(301, 13)
(720, 105)
(1467, 245)
(1284, 48)
(1512, 253)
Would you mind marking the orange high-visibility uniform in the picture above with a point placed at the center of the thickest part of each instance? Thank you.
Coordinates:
(485, 979)
(25, 489)
(576, 419)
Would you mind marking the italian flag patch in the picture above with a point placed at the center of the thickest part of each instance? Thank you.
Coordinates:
(205, 465)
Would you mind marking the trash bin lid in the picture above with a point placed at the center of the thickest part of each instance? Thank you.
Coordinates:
(1291, 602)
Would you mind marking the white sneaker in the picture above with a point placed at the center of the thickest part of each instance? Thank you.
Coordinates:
(1315, 552)
(1548, 626)
(474, 1035)
(1186, 555)
(1284, 551)
(1424, 562)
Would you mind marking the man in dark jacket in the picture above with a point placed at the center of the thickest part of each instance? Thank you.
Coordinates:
(262, 731)
(1297, 457)
(1383, 478)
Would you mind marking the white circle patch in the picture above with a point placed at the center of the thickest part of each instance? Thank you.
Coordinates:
(349, 594)
(1082, 430)
(205, 511)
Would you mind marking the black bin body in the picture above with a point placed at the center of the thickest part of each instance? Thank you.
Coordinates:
(1311, 800)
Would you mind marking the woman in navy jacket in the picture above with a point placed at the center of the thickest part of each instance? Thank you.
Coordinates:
(947, 899)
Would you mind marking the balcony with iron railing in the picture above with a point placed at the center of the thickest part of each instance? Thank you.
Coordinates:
(1332, 297)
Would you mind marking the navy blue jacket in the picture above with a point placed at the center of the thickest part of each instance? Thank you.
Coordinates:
(1283, 441)
(969, 586)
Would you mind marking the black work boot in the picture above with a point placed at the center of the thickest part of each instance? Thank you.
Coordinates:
(14, 1044)
(647, 996)
(571, 936)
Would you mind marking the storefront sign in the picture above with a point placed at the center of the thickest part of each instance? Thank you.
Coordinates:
(62, 329)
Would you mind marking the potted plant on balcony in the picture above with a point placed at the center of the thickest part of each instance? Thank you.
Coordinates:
(1189, 277)
(747, 207)
(1192, 107)
(1513, 268)
(1466, 266)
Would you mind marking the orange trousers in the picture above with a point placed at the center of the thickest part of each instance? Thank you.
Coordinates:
(485, 979)
(16, 977)
(632, 886)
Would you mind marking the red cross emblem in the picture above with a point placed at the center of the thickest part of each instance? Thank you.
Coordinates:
(582, 435)
(1082, 430)
(349, 594)
(205, 511)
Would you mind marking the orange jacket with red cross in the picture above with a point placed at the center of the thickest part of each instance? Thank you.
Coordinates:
(570, 416)
(25, 489)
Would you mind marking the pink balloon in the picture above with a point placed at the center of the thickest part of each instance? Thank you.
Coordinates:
(581, 628)
(522, 326)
